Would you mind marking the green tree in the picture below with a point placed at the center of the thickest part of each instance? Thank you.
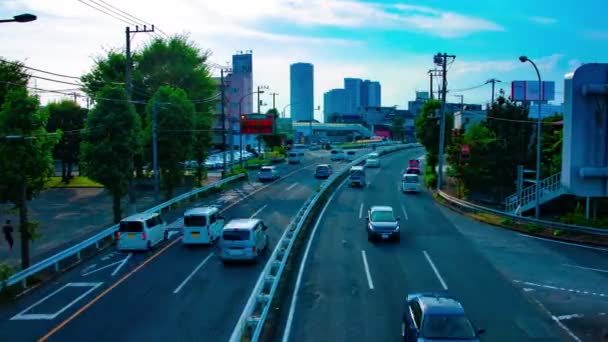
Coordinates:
(551, 144)
(477, 170)
(26, 159)
(427, 131)
(12, 76)
(68, 117)
(397, 130)
(175, 119)
(111, 139)
(202, 140)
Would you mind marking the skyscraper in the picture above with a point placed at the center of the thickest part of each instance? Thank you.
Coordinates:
(353, 94)
(374, 92)
(301, 88)
(239, 85)
(334, 102)
(365, 93)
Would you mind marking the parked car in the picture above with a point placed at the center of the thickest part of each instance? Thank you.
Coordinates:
(243, 239)
(382, 223)
(268, 173)
(323, 171)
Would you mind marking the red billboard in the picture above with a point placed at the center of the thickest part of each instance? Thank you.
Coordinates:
(257, 124)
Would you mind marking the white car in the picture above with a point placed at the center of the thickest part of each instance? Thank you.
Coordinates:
(373, 160)
(336, 154)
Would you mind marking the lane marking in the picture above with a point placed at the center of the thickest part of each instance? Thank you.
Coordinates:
(556, 320)
(23, 316)
(105, 292)
(370, 283)
(404, 212)
(586, 268)
(84, 274)
(172, 233)
(258, 211)
(565, 243)
(292, 186)
(122, 264)
(296, 290)
(567, 317)
(428, 258)
(551, 287)
(361, 211)
(192, 273)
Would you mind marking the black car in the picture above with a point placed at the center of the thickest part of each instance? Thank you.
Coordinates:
(323, 171)
(434, 317)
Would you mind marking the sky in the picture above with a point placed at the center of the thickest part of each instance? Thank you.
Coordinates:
(392, 42)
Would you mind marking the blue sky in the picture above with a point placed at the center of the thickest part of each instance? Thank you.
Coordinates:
(389, 41)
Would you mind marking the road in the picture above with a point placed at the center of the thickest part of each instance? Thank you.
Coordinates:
(173, 293)
(354, 290)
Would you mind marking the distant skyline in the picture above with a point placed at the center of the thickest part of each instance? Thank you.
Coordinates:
(392, 42)
(301, 90)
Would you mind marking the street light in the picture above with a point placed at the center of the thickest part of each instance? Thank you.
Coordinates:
(259, 91)
(525, 59)
(21, 18)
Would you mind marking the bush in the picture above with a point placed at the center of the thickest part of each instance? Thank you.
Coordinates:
(507, 221)
(558, 232)
(280, 150)
(237, 170)
(430, 177)
(533, 228)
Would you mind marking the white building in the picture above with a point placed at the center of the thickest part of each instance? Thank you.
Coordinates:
(465, 118)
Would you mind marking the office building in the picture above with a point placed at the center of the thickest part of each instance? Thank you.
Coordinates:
(238, 88)
(301, 88)
(374, 94)
(353, 94)
(334, 104)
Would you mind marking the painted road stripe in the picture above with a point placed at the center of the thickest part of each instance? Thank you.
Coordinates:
(122, 264)
(361, 211)
(428, 258)
(551, 287)
(404, 212)
(258, 211)
(88, 272)
(370, 283)
(193, 273)
(586, 268)
(292, 186)
(567, 317)
(565, 243)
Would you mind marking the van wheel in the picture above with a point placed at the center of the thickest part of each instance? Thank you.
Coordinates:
(166, 235)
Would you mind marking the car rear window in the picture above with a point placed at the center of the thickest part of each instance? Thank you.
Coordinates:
(266, 169)
(236, 235)
(447, 327)
(322, 168)
(411, 179)
(195, 221)
(131, 227)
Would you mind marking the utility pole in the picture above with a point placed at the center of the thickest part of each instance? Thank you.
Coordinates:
(432, 73)
(461, 101)
(493, 81)
(129, 88)
(223, 119)
(155, 149)
(442, 60)
(273, 99)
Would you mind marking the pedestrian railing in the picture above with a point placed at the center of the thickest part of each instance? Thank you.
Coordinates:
(251, 322)
(95, 240)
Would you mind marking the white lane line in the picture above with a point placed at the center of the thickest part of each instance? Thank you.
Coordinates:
(428, 258)
(551, 287)
(404, 212)
(561, 325)
(192, 274)
(565, 243)
(296, 290)
(370, 283)
(361, 211)
(259, 211)
(567, 317)
(84, 274)
(292, 186)
(586, 268)
(124, 261)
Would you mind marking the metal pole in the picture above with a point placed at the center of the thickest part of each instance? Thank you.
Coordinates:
(587, 205)
(493, 84)
(431, 85)
(258, 99)
(155, 150)
(132, 196)
(538, 143)
(223, 119)
(444, 65)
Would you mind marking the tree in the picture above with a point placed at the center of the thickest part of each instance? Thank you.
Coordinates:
(202, 139)
(12, 76)
(551, 144)
(68, 117)
(175, 119)
(397, 130)
(111, 139)
(477, 170)
(427, 130)
(26, 159)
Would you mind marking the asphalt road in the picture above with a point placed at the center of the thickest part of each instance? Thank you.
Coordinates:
(354, 290)
(173, 293)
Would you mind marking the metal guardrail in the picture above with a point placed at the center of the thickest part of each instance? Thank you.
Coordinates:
(257, 307)
(548, 224)
(75, 250)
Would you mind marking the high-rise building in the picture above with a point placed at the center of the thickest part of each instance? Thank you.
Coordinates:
(353, 94)
(238, 88)
(334, 102)
(301, 88)
(374, 97)
(365, 93)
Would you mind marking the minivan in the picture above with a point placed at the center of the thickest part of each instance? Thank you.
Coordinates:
(268, 173)
(243, 239)
(293, 157)
(410, 182)
(141, 231)
(202, 225)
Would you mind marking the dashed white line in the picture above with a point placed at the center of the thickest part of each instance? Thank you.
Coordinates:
(551, 287)
(586, 268)
(567, 317)
(258, 211)
(124, 261)
(565, 243)
(89, 272)
(292, 186)
(361, 211)
(428, 258)
(370, 283)
(404, 212)
(192, 274)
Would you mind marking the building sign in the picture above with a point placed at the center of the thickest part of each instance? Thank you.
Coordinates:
(257, 124)
(528, 91)
(284, 126)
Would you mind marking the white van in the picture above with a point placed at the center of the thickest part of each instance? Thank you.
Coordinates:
(350, 155)
(336, 154)
(141, 231)
(293, 157)
(243, 239)
(410, 182)
(373, 160)
(202, 225)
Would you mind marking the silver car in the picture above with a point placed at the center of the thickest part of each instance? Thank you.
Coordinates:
(268, 173)
(243, 239)
(382, 223)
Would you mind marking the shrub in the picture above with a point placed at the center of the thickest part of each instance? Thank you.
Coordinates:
(235, 171)
(533, 228)
(280, 150)
(507, 221)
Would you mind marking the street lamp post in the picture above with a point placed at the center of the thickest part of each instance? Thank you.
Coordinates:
(21, 18)
(259, 91)
(525, 59)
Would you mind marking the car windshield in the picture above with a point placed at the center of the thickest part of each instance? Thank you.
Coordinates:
(411, 179)
(447, 327)
(236, 235)
(195, 221)
(131, 227)
(383, 216)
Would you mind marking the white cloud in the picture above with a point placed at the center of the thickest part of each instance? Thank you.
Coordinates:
(543, 20)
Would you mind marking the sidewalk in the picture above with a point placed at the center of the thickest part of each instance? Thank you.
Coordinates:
(66, 216)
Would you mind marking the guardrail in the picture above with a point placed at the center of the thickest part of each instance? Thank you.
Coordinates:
(95, 240)
(251, 322)
(549, 224)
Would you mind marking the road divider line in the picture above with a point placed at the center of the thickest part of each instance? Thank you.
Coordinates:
(198, 267)
(551, 287)
(296, 290)
(565, 243)
(370, 283)
(567, 317)
(292, 186)
(259, 211)
(428, 258)
(361, 211)
(404, 212)
(84, 274)
(556, 320)
(586, 268)
(123, 262)
(105, 292)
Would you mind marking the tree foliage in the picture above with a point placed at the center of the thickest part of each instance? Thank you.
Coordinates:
(551, 145)
(397, 129)
(175, 117)
(13, 76)
(26, 159)
(68, 117)
(111, 139)
(427, 130)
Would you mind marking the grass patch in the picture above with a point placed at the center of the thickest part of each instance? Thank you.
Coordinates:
(488, 218)
(76, 182)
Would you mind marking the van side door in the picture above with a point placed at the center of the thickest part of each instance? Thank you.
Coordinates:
(153, 230)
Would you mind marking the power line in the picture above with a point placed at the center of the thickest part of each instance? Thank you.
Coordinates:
(470, 88)
(101, 10)
(531, 121)
(134, 17)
